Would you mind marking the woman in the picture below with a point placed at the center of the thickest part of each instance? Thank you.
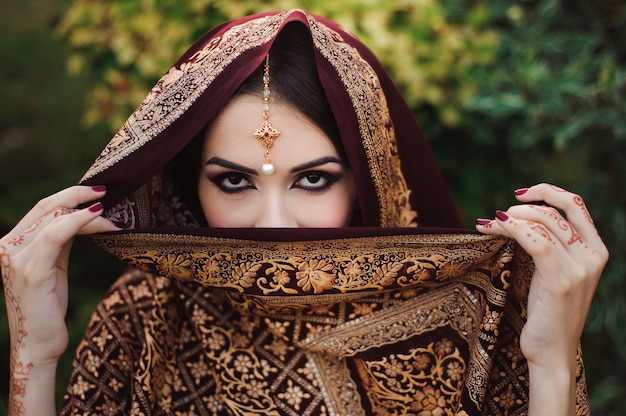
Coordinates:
(287, 126)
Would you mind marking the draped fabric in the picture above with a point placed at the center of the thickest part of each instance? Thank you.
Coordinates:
(397, 179)
(385, 319)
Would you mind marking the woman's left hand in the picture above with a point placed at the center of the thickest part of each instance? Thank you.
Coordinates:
(569, 256)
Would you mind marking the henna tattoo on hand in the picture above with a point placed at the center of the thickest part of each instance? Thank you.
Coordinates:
(562, 223)
(541, 230)
(17, 389)
(19, 371)
(579, 201)
(16, 241)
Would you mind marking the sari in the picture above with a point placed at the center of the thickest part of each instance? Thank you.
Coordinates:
(407, 314)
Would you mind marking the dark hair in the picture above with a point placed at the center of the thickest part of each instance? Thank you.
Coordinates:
(293, 78)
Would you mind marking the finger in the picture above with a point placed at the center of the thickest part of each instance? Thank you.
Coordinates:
(97, 225)
(24, 238)
(545, 221)
(552, 219)
(68, 198)
(561, 269)
(547, 252)
(548, 244)
(53, 242)
(37, 254)
(574, 208)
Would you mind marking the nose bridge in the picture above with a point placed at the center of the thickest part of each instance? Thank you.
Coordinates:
(274, 212)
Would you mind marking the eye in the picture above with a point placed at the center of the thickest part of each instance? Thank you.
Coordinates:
(315, 181)
(232, 182)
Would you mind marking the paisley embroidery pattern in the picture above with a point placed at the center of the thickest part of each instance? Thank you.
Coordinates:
(446, 344)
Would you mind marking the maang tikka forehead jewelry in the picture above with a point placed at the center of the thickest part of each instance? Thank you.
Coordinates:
(266, 133)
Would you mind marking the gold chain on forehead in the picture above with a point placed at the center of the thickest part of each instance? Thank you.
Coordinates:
(266, 133)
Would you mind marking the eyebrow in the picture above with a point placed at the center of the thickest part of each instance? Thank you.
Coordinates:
(230, 165)
(304, 166)
(314, 163)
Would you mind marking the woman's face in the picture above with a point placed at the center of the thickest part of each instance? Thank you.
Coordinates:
(311, 187)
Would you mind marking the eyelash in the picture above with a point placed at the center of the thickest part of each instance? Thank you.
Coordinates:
(218, 180)
(330, 179)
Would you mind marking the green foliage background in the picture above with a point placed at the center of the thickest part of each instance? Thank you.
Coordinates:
(509, 94)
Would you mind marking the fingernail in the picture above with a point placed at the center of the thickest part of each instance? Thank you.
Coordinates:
(501, 215)
(521, 191)
(482, 221)
(96, 207)
(99, 188)
(119, 224)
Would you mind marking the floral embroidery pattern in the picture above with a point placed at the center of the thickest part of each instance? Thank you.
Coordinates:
(315, 275)
(405, 261)
(415, 344)
(432, 377)
(413, 325)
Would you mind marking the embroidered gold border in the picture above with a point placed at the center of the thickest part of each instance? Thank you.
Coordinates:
(375, 125)
(414, 317)
(336, 385)
(310, 268)
(177, 90)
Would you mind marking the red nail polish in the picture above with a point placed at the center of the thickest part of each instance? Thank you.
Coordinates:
(99, 188)
(501, 215)
(521, 191)
(96, 207)
(482, 221)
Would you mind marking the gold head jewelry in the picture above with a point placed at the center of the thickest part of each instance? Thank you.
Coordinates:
(266, 133)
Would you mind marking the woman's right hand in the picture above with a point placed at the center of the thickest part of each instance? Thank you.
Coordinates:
(34, 262)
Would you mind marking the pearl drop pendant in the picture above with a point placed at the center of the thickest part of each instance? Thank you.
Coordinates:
(267, 168)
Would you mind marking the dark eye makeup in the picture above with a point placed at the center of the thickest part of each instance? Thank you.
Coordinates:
(232, 182)
(316, 181)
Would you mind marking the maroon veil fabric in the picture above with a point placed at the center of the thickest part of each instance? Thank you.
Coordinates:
(201, 82)
(407, 315)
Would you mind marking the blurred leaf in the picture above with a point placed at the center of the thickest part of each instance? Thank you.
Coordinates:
(508, 93)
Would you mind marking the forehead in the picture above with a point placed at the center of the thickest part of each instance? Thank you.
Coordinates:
(230, 135)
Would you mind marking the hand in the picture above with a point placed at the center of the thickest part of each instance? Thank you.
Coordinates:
(569, 256)
(34, 259)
